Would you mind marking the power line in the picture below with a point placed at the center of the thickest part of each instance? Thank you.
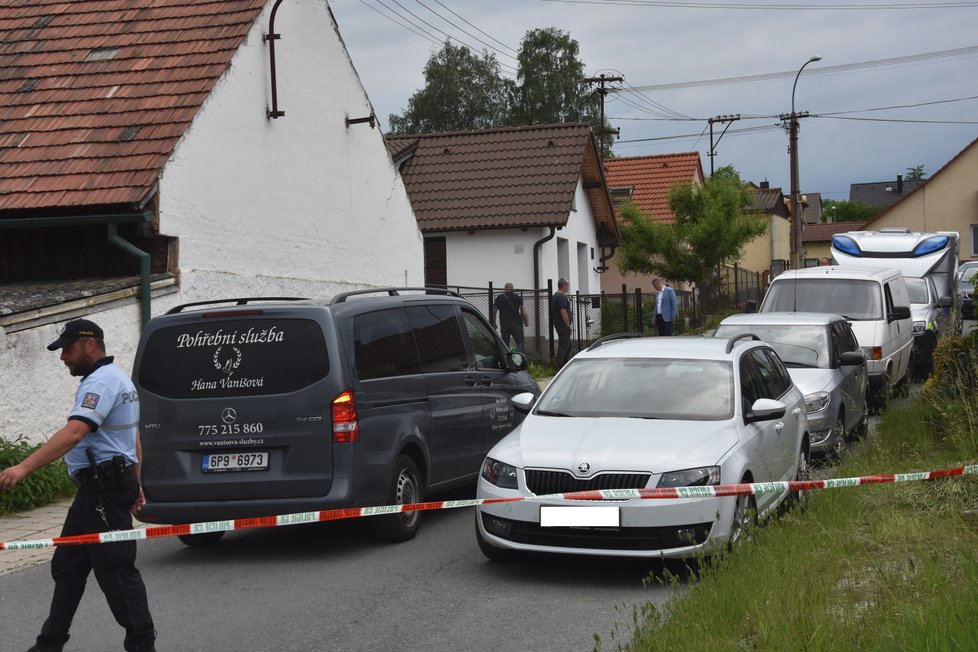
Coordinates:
(464, 31)
(678, 4)
(821, 70)
(900, 106)
(476, 28)
(922, 122)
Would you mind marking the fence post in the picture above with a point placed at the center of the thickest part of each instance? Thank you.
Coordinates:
(639, 322)
(624, 307)
(550, 317)
(491, 319)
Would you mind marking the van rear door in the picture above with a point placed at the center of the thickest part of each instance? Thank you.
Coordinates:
(235, 406)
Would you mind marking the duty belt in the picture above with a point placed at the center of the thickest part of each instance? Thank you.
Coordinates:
(86, 476)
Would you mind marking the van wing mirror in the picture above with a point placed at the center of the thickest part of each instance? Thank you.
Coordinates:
(750, 306)
(516, 361)
(852, 358)
(899, 312)
(945, 302)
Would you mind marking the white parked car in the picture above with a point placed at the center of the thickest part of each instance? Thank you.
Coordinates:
(642, 413)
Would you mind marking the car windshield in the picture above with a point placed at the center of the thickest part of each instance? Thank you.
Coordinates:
(852, 298)
(917, 289)
(643, 388)
(797, 346)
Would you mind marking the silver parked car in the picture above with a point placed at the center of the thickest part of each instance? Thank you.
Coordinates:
(645, 412)
(966, 288)
(823, 358)
(931, 322)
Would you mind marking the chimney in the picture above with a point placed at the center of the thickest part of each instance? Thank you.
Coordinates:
(899, 184)
(765, 184)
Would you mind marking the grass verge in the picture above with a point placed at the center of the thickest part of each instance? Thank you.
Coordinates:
(878, 567)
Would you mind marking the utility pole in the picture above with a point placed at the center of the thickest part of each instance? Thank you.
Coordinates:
(796, 221)
(729, 119)
(603, 91)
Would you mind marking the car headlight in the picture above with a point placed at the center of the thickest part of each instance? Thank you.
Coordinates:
(816, 402)
(700, 477)
(919, 326)
(499, 474)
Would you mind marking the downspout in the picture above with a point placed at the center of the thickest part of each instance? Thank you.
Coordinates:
(129, 248)
(536, 278)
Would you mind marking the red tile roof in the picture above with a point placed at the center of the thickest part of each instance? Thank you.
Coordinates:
(95, 94)
(502, 178)
(824, 232)
(652, 177)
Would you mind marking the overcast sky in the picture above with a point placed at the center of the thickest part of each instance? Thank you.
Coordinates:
(652, 44)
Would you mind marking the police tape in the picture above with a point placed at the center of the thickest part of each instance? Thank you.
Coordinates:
(715, 491)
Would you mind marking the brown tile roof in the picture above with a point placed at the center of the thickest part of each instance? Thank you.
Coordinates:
(502, 178)
(824, 232)
(770, 201)
(95, 94)
(652, 177)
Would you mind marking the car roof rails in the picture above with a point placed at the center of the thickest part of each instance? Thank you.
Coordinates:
(736, 338)
(237, 302)
(611, 338)
(391, 292)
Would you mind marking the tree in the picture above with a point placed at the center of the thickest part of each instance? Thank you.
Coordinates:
(711, 229)
(915, 173)
(462, 91)
(848, 211)
(551, 86)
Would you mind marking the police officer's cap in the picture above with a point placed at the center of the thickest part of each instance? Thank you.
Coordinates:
(74, 330)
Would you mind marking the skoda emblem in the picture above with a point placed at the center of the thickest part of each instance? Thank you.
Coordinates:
(583, 468)
(228, 415)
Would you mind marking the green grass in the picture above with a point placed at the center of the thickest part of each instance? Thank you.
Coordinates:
(880, 567)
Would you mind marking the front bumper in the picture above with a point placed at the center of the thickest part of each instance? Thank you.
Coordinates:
(675, 528)
(822, 436)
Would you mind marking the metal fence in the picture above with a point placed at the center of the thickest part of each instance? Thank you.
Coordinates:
(597, 315)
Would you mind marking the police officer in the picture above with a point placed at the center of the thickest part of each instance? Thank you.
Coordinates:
(100, 444)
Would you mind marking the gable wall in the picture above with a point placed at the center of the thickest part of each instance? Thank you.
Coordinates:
(947, 202)
(302, 204)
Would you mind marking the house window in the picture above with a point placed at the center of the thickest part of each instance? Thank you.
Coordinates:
(974, 240)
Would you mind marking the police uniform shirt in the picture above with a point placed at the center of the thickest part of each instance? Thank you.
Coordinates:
(108, 402)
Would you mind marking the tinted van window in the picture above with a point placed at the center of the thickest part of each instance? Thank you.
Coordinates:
(234, 358)
(855, 299)
(439, 338)
(483, 343)
(384, 345)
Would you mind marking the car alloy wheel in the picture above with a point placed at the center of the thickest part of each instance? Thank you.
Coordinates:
(744, 520)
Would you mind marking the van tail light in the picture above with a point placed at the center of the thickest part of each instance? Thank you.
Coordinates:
(345, 426)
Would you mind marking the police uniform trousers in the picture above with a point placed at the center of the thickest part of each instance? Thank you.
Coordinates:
(113, 563)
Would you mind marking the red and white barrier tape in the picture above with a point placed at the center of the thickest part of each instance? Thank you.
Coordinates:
(157, 532)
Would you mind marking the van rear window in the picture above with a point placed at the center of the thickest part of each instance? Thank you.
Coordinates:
(234, 358)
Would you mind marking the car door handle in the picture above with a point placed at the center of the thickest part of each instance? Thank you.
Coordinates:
(779, 426)
(796, 412)
(486, 380)
(470, 381)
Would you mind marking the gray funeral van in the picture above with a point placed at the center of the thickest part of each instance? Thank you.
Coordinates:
(258, 407)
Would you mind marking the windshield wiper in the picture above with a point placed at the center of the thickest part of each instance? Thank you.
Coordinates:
(546, 413)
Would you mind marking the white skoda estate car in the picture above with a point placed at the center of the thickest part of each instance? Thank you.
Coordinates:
(637, 412)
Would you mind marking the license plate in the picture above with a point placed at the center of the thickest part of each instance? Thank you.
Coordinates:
(222, 462)
(597, 516)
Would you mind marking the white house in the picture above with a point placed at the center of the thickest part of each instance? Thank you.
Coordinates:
(175, 150)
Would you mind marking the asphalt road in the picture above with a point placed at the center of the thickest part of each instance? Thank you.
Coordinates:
(331, 586)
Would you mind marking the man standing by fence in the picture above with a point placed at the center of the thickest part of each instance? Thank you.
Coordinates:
(512, 316)
(666, 307)
(561, 316)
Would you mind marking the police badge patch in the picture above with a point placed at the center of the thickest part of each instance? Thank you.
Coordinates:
(90, 401)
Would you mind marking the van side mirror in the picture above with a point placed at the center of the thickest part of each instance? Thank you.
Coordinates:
(750, 306)
(516, 361)
(945, 302)
(899, 312)
(852, 358)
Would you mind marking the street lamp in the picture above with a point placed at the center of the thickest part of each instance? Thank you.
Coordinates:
(793, 153)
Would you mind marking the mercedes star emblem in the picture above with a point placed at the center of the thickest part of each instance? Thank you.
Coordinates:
(228, 415)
